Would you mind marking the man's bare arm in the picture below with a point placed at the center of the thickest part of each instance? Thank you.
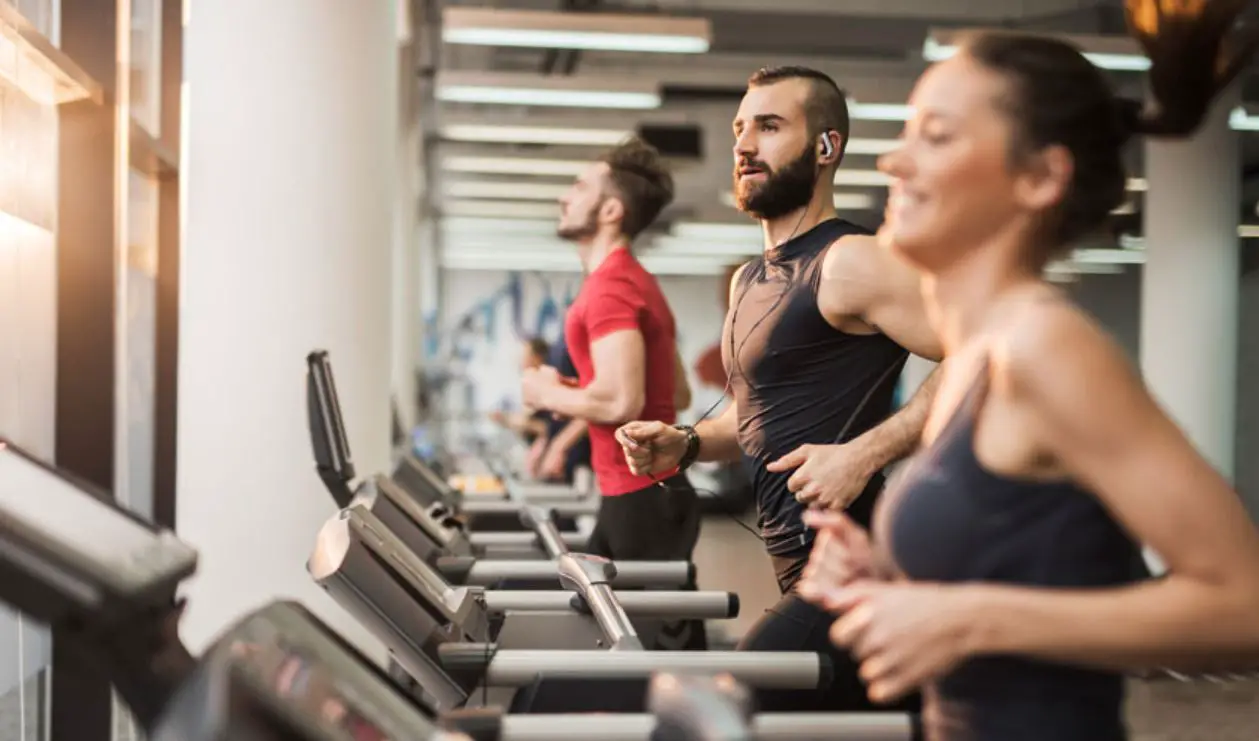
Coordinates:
(900, 434)
(570, 434)
(719, 437)
(616, 393)
(865, 281)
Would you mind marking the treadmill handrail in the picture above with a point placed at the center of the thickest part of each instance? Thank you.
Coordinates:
(642, 604)
(485, 572)
(589, 576)
(765, 727)
(542, 522)
(798, 670)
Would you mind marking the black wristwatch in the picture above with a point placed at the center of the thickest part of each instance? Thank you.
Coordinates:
(692, 447)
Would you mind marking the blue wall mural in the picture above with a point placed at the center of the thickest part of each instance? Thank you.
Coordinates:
(535, 306)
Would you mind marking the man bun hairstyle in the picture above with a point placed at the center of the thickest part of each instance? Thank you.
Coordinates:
(641, 182)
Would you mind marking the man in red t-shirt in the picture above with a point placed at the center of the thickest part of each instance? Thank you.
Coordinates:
(623, 342)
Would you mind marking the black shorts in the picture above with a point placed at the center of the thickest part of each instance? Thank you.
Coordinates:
(658, 523)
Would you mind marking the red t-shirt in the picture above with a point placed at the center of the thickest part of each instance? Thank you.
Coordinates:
(619, 295)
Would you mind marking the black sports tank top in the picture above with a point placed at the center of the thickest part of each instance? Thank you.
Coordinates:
(949, 519)
(796, 379)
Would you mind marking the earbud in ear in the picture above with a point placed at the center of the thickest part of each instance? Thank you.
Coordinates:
(828, 147)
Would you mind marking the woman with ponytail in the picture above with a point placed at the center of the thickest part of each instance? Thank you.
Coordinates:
(1003, 573)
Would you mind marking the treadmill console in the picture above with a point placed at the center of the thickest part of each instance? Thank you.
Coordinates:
(66, 550)
(327, 429)
(280, 673)
(424, 484)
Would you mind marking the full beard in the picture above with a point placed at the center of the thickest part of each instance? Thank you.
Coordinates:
(784, 190)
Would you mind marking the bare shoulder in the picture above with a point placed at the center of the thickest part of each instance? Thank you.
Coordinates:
(851, 256)
(1050, 346)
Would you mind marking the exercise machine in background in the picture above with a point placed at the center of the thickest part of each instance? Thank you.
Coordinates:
(107, 581)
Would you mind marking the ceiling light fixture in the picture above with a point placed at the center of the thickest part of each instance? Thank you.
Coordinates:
(502, 209)
(504, 189)
(509, 134)
(577, 91)
(871, 146)
(514, 166)
(593, 31)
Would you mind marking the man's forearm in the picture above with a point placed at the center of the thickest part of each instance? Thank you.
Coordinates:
(567, 437)
(588, 404)
(899, 434)
(719, 438)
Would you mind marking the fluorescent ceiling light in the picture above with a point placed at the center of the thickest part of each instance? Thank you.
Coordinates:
(1108, 257)
(1137, 185)
(576, 91)
(472, 225)
(861, 177)
(708, 231)
(507, 134)
(1248, 231)
(743, 247)
(1244, 118)
(504, 189)
(595, 31)
(508, 209)
(1119, 53)
(1241, 118)
(515, 166)
(879, 111)
(843, 201)
(871, 146)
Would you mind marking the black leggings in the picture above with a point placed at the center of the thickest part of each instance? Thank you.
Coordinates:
(795, 625)
(658, 523)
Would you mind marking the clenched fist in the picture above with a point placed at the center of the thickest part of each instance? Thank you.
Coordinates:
(651, 447)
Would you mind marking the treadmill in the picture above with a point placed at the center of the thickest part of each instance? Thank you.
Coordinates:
(441, 636)
(434, 534)
(376, 578)
(416, 478)
(106, 581)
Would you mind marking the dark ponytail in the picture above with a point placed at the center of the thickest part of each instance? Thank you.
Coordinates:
(1195, 51)
(1057, 97)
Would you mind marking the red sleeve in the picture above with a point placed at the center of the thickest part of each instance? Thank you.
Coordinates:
(616, 307)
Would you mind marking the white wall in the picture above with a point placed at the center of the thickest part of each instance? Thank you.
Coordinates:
(291, 146)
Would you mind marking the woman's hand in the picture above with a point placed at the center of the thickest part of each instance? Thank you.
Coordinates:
(902, 634)
(841, 555)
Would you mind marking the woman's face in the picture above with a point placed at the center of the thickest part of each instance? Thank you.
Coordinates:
(954, 186)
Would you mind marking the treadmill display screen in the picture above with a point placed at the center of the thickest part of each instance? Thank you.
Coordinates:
(309, 687)
(74, 520)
